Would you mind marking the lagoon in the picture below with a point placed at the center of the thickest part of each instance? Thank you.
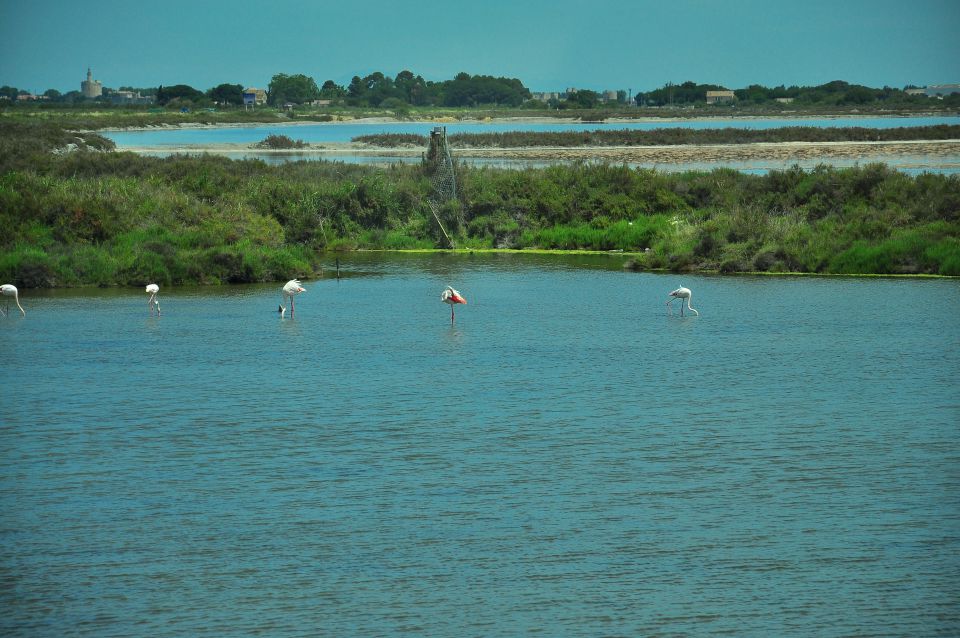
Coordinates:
(318, 133)
(566, 458)
(168, 141)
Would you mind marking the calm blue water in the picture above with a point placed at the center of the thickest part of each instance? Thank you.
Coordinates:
(566, 459)
(344, 131)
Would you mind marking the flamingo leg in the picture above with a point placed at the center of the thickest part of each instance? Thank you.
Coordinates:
(451, 313)
(291, 307)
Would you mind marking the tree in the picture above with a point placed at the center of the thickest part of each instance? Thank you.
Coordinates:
(331, 90)
(179, 92)
(410, 88)
(686, 93)
(378, 88)
(52, 94)
(226, 94)
(9, 92)
(584, 99)
(292, 88)
(357, 88)
(465, 90)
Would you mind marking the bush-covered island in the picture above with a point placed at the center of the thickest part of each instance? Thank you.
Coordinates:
(74, 212)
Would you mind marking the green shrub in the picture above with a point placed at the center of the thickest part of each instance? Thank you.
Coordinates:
(280, 142)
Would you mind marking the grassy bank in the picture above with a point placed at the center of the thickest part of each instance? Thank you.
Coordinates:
(96, 217)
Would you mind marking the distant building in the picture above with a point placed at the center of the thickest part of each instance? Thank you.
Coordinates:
(545, 96)
(130, 97)
(783, 100)
(916, 91)
(720, 97)
(253, 96)
(91, 87)
(609, 96)
(940, 90)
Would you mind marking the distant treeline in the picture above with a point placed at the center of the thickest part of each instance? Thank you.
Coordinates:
(96, 217)
(671, 136)
(835, 93)
(409, 90)
(373, 90)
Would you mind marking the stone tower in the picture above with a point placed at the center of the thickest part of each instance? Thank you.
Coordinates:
(91, 87)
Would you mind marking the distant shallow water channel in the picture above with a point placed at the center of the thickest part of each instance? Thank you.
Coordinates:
(566, 458)
(163, 142)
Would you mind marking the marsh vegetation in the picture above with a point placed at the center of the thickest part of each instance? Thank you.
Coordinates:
(75, 213)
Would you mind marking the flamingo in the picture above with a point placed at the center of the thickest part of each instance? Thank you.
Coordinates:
(452, 297)
(9, 290)
(153, 289)
(290, 290)
(682, 293)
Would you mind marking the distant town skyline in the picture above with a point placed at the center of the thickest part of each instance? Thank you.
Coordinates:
(638, 46)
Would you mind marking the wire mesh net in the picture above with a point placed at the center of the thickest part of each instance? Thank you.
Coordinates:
(443, 179)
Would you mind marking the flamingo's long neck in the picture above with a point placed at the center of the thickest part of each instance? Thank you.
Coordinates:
(689, 307)
(16, 299)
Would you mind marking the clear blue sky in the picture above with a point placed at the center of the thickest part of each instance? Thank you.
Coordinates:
(594, 44)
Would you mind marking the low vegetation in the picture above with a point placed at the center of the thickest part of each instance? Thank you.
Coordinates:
(671, 136)
(75, 213)
(280, 142)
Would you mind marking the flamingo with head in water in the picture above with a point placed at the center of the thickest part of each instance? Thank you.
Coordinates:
(9, 290)
(154, 290)
(290, 290)
(452, 297)
(682, 293)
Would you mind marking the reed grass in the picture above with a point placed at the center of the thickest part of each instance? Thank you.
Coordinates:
(97, 217)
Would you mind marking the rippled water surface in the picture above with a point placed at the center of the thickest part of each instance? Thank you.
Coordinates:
(565, 459)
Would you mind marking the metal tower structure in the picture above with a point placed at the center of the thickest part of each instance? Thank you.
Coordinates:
(443, 179)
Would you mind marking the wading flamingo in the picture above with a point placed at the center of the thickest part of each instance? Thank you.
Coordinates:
(452, 297)
(154, 290)
(682, 293)
(9, 290)
(290, 289)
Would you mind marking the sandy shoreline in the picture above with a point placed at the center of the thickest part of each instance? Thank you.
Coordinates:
(680, 154)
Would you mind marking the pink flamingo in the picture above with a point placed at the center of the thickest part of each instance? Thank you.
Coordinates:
(452, 297)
